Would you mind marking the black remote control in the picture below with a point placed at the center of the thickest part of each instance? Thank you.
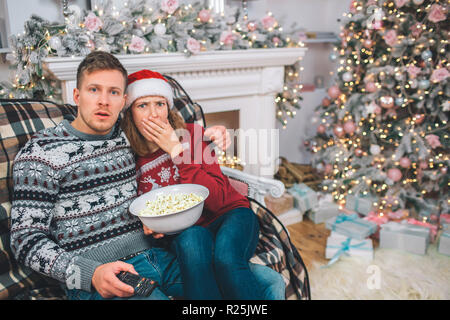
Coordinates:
(142, 286)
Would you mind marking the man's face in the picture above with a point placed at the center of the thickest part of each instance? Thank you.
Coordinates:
(100, 99)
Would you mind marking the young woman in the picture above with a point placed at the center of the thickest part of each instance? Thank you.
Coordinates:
(214, 254)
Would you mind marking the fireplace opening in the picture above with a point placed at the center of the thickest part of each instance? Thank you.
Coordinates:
(229, 119)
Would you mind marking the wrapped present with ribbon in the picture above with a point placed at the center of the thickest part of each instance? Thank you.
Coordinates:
(324, 210)
(305, 198)
(351, 225)
(433, 228)
(444, 240)
(338, 245)
(405, 236)
(359, 203)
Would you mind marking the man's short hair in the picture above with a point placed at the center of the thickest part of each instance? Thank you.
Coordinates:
(100, 60)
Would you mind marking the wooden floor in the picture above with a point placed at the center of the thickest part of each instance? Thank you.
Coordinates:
(310, 239)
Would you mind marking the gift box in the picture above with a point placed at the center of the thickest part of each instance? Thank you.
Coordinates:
(444, 241)
(359, 203)
(304, 197)
(323, 211)
(351, 226)
(279, 205)
(405, 236)
(433, 228)
(338, 244)
(291, 217)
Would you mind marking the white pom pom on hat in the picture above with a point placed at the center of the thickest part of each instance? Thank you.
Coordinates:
(148, 83)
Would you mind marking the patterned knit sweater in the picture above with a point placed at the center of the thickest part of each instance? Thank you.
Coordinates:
(196, 164)
(70, 203)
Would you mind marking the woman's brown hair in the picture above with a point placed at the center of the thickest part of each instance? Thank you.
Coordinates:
(137, 141)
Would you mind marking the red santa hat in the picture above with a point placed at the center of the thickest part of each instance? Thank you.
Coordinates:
(148, 83)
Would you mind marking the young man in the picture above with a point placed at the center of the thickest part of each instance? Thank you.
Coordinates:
(73, 184)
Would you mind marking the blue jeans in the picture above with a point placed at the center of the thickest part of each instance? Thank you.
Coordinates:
(156, 264)
(214, 261)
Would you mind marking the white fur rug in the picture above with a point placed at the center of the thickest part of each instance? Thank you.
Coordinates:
(391, 275)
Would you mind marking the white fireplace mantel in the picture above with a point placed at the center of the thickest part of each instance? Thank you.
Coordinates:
(243, 80)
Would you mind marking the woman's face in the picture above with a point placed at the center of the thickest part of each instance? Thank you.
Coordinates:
(150, 108)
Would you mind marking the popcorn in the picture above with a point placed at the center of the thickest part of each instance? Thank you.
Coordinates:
(166, 204)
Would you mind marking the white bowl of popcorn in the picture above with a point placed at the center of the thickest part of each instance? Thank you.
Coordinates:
(170, 209)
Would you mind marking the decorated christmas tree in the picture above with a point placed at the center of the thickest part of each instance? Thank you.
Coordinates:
(383, 131)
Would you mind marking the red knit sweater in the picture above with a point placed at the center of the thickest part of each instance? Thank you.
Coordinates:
(196, 164)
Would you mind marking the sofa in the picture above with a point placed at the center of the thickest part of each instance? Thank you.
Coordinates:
(20, 119)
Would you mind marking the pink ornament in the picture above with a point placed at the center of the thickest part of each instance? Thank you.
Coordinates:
(394, 174)
(405, 162)
(334, 92)
(416, 29)
(391, 37)
(137, 44)
(252, 26)
(437, 13)
(227, 37)
(358, 152)
(349, 127)
(321, 129)
(368, 43)
(418, 118)
(92, 22)
(439, 75)
(353, 6)
(276, 40)
(193, 45)
(268, 22)
(371, 87)
(339, 131)
(413, 71)
(169, 6)
(387, 102)
(204, 15)
(433, 141)
(326, 102)
(444, 170)
(328, 168)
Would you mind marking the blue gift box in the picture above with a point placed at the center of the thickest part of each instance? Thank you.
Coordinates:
(359, 203)
(305, 198)
(324, 210)
(405, 236)
(444, 240)
(338, 244)
(351, 225)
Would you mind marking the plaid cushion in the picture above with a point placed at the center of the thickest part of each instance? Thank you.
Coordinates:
(19, 120)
